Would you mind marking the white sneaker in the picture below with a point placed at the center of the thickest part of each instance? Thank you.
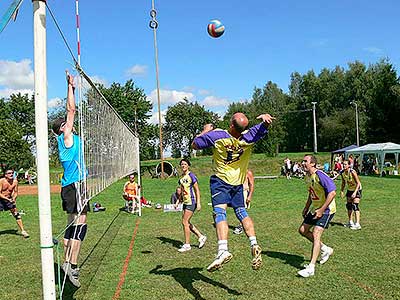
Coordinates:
(221, 259)
(202, 241)
(73, 274)
(307, 271)
(325, 255)
(184, 248)
(238, 229)
(349, 224)
(25, 234)
(356, 226)
(256, 262)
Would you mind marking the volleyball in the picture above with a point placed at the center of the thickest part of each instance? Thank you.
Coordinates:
(215, 28)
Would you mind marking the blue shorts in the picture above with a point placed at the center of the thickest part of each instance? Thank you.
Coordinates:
(224, 193)
(6, 205)
(191, 207)
(321, 222)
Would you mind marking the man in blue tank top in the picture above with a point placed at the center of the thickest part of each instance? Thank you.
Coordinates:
(73, 192)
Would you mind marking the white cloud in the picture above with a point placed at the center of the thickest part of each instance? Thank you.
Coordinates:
(98, 79)
(54, 103)
(170, 96)
(203, 92)
(6, 93)
(213, 101)
(16, 75)
(154, 117)
(137, 70)
(373, 50)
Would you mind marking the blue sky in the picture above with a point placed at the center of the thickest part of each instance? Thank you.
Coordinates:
(263, 40)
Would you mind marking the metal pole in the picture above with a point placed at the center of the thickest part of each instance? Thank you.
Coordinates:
(42, 153)
(315, 127)
(154, 24)
(357, 130)
(358, 135)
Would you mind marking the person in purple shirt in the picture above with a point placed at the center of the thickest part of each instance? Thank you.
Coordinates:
(318, 212)
(231, 155)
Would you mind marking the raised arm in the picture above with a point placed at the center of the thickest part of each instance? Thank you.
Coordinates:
(71, 109)
(206, 128)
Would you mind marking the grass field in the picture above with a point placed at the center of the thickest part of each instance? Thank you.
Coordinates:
(365, 264)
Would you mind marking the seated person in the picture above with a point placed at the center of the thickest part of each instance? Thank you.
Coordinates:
(131, 194)
(175, 197)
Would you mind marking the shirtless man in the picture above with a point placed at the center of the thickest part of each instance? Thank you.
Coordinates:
(8, 198)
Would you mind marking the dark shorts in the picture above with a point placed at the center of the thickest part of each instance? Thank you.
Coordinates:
(321, 222)
(224, 193)
(73, 198)
(358, 194)
(191, 207)
(6, 205)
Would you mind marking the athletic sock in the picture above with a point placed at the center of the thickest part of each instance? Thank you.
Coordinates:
(222, 246)
(253, 240)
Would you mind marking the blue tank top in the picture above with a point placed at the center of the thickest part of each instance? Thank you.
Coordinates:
(71, 160)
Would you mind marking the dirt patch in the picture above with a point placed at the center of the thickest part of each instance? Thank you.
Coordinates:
(33, 189)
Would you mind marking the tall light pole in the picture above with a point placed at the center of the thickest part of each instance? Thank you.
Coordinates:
(357, 132)
(315, 127)
(154, 25)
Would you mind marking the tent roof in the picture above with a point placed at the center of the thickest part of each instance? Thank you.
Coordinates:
(344, 149)
(371, 148)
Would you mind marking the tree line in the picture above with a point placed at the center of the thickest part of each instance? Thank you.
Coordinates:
(375, 89)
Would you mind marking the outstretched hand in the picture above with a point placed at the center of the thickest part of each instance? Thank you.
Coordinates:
(208, 127)
(70, 79)
(266, 118)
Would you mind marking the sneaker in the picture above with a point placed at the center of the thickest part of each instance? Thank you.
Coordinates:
(349, 224)
(25, 234)
(221, 259)
(73, 274)
(256, 262)
(238, 229)
(184, 248)
(202, 241)
(307, 271)
(325, 255)
(356, 226)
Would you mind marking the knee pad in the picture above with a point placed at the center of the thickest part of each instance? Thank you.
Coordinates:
(349, 206)
(356, 207)
(241, 213)
(219, 214)
(17, 216)
(79, 232)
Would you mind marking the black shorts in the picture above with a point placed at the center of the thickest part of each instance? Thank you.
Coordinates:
(6, 205)
(321, 222)
(358, 194)
(191, 207)
(73, 198)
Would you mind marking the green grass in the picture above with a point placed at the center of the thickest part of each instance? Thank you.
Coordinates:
(365, 264)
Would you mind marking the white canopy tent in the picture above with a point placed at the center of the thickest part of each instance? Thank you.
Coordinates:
(380, 150)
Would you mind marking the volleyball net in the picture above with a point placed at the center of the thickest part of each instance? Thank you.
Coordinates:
(110, 147)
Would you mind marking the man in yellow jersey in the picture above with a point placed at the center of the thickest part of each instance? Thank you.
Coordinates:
(318, 212)
(353, 194)
(231, 155)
